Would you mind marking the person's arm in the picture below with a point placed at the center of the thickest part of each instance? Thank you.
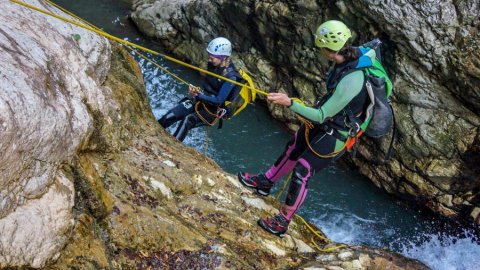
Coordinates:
(227, 87)
(346, 90)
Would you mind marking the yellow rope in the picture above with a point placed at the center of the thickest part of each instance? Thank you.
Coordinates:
(72, 14)
(132, 48)
(93, 28)
(320, 235)
(315, 232)
(129, 47)
(205, 144)
(285, 183)
(159, 66)
(121, 41)
(308, 127)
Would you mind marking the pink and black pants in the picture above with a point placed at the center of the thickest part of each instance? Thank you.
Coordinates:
(304, 163)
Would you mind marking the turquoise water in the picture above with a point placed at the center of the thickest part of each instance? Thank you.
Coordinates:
(344, 204)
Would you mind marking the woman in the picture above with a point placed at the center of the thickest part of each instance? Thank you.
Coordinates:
(207, 106)
(335, 118)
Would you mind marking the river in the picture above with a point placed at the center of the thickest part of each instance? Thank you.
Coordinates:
(343, 203)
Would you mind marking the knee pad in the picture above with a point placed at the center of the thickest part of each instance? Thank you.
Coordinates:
(191, 121)
(298, 185)
(294, 191)
(300, 171)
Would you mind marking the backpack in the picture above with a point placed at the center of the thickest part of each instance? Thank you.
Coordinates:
(379, 114)
(244, 96)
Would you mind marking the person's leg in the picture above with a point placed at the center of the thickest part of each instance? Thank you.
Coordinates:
(184, 108)
(190, 121)
(297, 190)
(285, 163)
(308, 164)
(195, 119)
(262, 182)
(258, 182)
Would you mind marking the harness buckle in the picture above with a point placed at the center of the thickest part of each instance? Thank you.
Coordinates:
(221, 112)
(354, 130)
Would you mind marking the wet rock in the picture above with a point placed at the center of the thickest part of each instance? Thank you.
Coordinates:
(103, 197)
(257, 203)
(431, 50)
(167, 192)
(344, 256)
(47, 98)
(475, 213)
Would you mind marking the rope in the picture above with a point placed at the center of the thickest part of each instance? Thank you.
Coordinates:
(284, 186)
(320, 235)
(130, 45)
(308, 126)
(205, 144)
(73, 15)
(315, 232)
(121, 41)
(132, 49)
(88, 26)
(205, 121)
(159, 66)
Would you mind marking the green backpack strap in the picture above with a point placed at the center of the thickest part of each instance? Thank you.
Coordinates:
(378, 70)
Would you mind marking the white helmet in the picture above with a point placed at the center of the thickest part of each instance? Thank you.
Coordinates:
(220, 46)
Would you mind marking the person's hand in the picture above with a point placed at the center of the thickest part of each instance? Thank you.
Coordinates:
(280, 99)
(193, 90)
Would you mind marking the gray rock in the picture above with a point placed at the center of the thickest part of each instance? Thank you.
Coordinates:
(431, 50)
(45, 98)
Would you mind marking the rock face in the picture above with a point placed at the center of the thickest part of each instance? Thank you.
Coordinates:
(90, 181)
(431, 50)
(50, 82)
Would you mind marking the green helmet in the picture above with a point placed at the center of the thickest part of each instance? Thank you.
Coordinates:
(332, 34)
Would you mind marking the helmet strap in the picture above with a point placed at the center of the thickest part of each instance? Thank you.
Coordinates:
(225, 61)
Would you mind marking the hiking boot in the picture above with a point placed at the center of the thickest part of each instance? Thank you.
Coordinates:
(277, 225)
(259, 182)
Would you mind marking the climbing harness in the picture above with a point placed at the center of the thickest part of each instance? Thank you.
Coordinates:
(248, 85)
(246, 94)
(216, 116)
(349, 143)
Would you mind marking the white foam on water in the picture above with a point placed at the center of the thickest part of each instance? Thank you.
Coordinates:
(445, 252)
(439, 252)
(350, 229)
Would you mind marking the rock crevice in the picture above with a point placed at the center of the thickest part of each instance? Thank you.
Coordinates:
(90, 180)
(431, 50)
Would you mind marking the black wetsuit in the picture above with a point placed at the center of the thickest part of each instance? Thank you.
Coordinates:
(217, 93)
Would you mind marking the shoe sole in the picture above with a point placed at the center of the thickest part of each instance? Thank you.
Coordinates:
(241, 179)
(263, 193)
(266, 228)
